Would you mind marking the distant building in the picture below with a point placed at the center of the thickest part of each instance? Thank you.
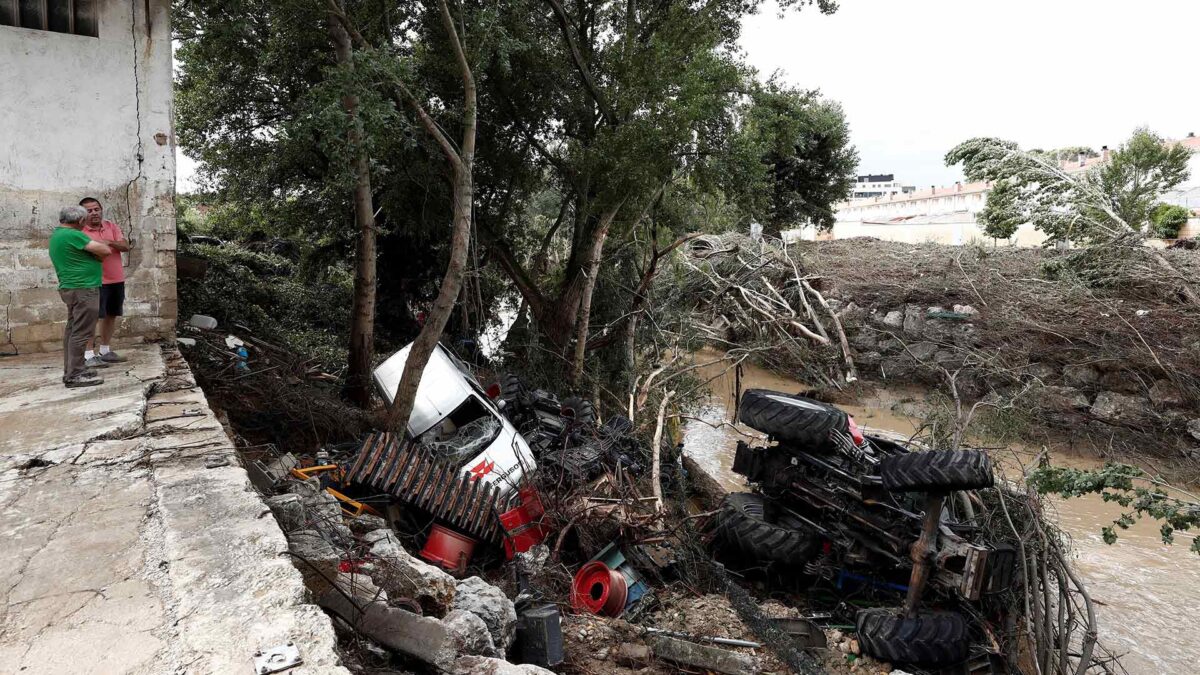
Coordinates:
(878, 185)
(86, 111)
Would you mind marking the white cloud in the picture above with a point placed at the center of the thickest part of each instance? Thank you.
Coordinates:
(918, 76)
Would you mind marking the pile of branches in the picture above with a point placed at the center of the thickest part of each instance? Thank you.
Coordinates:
(756, 293)
(1115, 308)
(1057, 628)
(272, 395)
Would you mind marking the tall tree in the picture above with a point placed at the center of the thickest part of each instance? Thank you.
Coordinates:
(362, 316)
(460, 161)
(805, 147)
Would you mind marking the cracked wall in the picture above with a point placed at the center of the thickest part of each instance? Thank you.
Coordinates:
(86, 116)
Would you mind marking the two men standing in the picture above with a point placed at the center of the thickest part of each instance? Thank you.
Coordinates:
(81, 261)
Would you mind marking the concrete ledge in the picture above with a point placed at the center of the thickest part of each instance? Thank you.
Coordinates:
(125, 553)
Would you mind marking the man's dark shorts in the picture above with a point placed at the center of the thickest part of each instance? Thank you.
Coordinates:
(112, 299)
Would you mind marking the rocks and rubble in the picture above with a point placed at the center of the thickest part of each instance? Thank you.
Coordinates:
(405, 575)
(484, 600)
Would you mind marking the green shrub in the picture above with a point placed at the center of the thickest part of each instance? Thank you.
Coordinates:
(1166, 220)
(267, 294)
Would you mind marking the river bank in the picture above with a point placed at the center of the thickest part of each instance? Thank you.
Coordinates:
(1145, 590)
(1089, 346)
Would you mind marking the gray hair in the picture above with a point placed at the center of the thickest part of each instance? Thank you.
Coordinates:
(72, 215)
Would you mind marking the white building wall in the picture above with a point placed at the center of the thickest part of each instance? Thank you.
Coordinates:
(83, 116)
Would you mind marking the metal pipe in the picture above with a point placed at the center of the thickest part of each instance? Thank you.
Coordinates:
(923, 551)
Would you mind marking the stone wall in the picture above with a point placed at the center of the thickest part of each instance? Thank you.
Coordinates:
(85, 116)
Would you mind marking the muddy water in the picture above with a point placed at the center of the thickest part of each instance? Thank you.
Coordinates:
(1148, 593)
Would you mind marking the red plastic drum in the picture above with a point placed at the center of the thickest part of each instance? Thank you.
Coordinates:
(448, 549)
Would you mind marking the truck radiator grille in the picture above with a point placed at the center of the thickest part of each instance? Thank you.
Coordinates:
(405, 469)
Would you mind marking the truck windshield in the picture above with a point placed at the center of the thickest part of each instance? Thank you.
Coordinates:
(464, 433)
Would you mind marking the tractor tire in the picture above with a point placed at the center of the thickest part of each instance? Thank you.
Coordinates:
(616, 426)
(579, 411)
(937, 471)
(792, 419)
(933, 639)
(512, 388)
(512, 392)
(745, 526)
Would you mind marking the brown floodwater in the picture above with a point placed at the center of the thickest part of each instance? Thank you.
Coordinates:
(1147, 592)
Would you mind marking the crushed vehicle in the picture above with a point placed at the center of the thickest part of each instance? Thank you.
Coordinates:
(860, 510)
(465, 462)
(462, 462)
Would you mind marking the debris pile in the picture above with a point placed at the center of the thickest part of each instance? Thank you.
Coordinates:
(507, 529)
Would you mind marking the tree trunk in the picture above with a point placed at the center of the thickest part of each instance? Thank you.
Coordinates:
(585, 299)
(462, 163)
(362, 316)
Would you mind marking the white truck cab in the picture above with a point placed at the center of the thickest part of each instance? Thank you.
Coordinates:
(454, 416)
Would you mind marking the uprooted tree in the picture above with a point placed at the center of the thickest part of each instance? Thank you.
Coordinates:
(1111, 204)
(1112, 201)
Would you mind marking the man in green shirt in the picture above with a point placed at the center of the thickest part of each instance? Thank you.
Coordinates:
(76, 261)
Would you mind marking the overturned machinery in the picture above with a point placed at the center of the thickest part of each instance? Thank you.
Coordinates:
(869, 512)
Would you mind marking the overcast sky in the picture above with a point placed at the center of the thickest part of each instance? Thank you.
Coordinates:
(918, 76)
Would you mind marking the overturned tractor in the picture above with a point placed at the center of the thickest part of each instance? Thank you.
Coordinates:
(833, 504)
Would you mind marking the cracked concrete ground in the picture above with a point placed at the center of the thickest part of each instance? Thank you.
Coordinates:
(123, 551)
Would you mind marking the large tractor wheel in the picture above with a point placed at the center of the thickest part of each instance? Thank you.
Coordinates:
(937, 471)
(792, 419)
(934, 639)
(512, 390)
(579, 410)
(747, 526)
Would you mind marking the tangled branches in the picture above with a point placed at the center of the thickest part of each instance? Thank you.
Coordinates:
(273, 395)
(754, 293)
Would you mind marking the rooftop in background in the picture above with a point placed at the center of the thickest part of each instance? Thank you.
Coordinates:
(1191, 142)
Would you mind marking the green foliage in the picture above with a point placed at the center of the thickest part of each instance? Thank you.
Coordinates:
(1111, 201)
(264, 293)
(1127, 486)
(1168, 219)
(675, 127)
(802, 156)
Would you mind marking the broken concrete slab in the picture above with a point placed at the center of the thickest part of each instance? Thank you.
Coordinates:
(315, 557)
(479, 665)
(403, 575)
(702, 656)
(288, 510)
(422, 637)
(127, 555)
(323, 511)
(470, 634)
(490, 604)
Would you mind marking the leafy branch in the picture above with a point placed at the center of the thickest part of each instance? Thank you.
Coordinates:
(1130, 487)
